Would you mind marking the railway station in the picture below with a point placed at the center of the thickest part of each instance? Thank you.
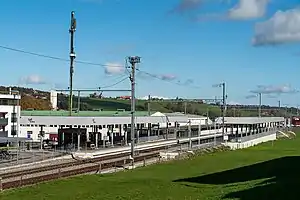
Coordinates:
(96, 131)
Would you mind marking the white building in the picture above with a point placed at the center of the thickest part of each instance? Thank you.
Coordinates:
(9, 117)
(53, 99)
(33, 122)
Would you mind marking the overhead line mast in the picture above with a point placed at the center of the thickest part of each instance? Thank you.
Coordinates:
(133, 60)
(72, 58)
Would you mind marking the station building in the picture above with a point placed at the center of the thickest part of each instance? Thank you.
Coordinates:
(101, 128)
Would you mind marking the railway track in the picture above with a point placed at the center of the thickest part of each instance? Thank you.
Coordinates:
(73, 163)
(35, 175)
(61, 173)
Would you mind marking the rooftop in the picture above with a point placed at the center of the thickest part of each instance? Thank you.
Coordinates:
(177, 114)
(249, 120)
(81, 113)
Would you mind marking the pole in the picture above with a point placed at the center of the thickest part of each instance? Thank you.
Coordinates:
(149, 109)
(199, 133)
(185, 105)
(215, 134)
(223, 109)
(15, 131)
(41, 137)
(133, 61)
(259, 108)
(175, 130)
(167, 130)
(72, 58)
(132, 108)
(14, 117)
(190, 135)
(207, 117)
(78, 101)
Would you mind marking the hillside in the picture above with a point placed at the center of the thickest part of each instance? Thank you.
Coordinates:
(39, 100)
(31, 98)
(213, 111)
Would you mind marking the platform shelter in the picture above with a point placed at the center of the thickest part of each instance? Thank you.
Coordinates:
(248, 131)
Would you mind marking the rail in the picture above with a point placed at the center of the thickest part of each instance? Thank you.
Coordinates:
(36, 175)
(19, 177)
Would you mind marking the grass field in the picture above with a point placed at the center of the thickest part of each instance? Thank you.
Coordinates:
(268, 171)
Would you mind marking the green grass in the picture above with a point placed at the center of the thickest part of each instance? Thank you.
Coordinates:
(268, 171)
(114, 104)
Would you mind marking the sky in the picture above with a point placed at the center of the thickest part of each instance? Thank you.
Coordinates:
(186, 47)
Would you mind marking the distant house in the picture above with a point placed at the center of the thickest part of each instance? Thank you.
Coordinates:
(125, 97)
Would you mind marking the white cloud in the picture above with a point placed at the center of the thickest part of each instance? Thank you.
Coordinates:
(271, 89)
(251, 96)
(243, 10)
(248, 9)
(114, 68)
(189, 82)
(167, 77)
(32, 80)
(283, 27)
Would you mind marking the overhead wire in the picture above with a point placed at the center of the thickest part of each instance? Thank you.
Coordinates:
(94, 64)
(170, 81)
(114, 84)
(57, 58)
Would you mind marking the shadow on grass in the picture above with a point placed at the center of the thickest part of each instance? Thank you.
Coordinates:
(282, 174)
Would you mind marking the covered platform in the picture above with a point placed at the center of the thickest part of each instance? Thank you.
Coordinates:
(242, 132)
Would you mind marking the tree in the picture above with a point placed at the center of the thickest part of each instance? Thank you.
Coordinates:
(190, 109)
(197, 112)
(29, 102)
(179, 107)
(169, 106)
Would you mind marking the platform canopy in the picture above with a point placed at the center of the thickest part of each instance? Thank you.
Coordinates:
(249, 120)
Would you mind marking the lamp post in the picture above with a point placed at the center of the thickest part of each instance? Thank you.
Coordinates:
(14, 118)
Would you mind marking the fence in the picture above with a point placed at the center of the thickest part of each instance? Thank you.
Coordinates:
(17, 157)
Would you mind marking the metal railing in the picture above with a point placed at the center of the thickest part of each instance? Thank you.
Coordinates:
(251, 137)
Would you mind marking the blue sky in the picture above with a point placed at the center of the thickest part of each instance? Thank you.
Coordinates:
(196, 42)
